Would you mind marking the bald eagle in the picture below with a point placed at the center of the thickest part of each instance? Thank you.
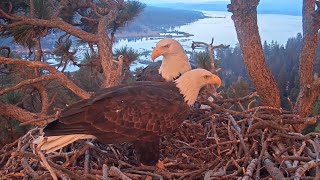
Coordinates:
(139, 112)
(175, 62)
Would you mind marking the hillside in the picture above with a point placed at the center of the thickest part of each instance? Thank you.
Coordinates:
(157, 19)
(286, 7)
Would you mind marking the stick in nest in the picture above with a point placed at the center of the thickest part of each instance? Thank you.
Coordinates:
(44, 160)
(307, 166)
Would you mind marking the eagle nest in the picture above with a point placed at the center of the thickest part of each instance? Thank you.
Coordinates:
(227, 140)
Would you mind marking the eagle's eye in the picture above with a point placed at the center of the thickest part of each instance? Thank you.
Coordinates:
(207, 77)
(167, 46)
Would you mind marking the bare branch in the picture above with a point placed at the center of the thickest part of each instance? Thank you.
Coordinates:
(90, 19)
(64, 80)
(5, 15)
(8, 26)
(53, 23)
(119, 63)
(242, 99)
(210, 49)
(52, 5)
(58, 10)
(31, 9)
(39, 54)
(44, 120)
(45, 162)
(27, 82)
(97, 10)
(250, 169)
(44, 97)
(272, 169)
(105, 172)
(17, 113)
(309, 165)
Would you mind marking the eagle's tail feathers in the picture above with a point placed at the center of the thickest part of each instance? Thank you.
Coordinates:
(56, 128)
(54, 143)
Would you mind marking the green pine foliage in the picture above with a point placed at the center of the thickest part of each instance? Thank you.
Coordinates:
(202, 60)
(87, 77)
(238, 89)
(25, 35)
(130, 56)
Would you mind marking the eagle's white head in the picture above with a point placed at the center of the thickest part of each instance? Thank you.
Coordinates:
(175, 61)
(192, 81)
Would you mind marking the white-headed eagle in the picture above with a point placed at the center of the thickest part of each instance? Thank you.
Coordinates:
(175, 62)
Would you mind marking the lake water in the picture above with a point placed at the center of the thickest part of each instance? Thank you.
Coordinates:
(271, 26)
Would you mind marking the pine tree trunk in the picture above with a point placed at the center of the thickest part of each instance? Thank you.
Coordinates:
(308, 89)
(245, 20)
(110, 72)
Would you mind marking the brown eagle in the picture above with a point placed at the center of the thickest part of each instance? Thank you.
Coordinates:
(139, 112)
(175, 62)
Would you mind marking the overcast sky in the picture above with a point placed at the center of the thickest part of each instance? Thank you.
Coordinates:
(178, 1)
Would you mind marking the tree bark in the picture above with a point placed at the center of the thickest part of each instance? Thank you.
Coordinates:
(309, 89)
(27, 82)
(245, 20)
(12, 111)
(39, 86)
(105, 55)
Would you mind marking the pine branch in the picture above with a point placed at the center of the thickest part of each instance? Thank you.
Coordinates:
(62, 78)
(27, 82)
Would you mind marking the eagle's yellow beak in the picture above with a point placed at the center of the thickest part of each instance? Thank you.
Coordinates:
(155, 53)
(216, 80)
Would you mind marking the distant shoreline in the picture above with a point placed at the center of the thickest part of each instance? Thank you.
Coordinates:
(265, 7)
(151, 34)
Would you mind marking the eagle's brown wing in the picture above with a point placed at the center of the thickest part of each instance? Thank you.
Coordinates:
(137, 112)
(151, 72)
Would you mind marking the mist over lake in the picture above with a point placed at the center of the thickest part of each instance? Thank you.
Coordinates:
(271, 27)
